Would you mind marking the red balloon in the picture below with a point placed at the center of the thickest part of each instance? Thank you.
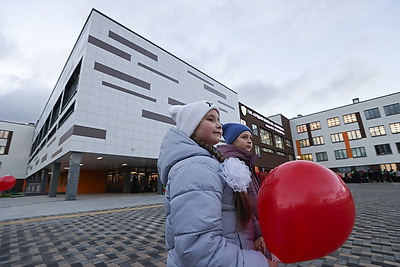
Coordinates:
(305, 211)
(7, 182)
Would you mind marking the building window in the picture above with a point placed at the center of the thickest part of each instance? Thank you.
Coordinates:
(301, 128)
(254, 128)
(279, 153)
(383, 149)
(332, 122)
(4, 134)
(266, 137)
(341, 154)
(354, 134)
(244, 122)
(2, 150)
(307, 157)
(289, 143)
(349, 118)
(257, 150)
(304, 142)
(279, 142)
(392, 109)
(267, 150)
(359, 152)
(321, 156)
(372, 113)
(395, 127)
(337, 137)
(315, 125)
(398, 147)
(291, 157)
(377, 130)
(318, 140)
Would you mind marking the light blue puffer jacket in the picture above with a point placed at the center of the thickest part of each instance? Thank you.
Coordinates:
(200, 227)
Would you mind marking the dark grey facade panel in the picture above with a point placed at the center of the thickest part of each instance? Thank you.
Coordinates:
(43, 158)
(65, 136)
(112, 49)
(132, 45)
(157, 117)
(56, 153)
(89, 132)
(198, 77)
(122, 89)
(226, 105)
(157, 72)
(120, 75)
(174, 102)
(223, 110)
(212, 90)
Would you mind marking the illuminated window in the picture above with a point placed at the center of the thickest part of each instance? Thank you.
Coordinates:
(279, 153)
(353, 135)
(301, 128)
(337, 137)
(266, 137)
(383, 149)
(332, 122)
(257, 150)
(244, 122)
(377, 130)
(267, 150)
(254, 128)
(2, 150)
(359, 152)
(349, 118)
(307, 157)
(321, 156)
(304, 142)
(315, 125)
(279, 142)
(341, 154)
(289, 143)
(372, 113)
(392, 109)
(318, 140)
(395, 127)
(4, 134)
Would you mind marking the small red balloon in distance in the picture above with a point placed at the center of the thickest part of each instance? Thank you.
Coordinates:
(305, 211)
(7, 182)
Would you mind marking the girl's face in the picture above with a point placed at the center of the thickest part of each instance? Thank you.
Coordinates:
(209, 129)
(244, 141)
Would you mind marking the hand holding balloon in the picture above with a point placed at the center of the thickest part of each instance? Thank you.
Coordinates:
(7, 182)
(305, 211)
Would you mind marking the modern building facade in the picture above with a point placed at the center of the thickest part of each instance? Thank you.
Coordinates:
(103, 123)
(272, 138)
(364, 135)
(15, 144)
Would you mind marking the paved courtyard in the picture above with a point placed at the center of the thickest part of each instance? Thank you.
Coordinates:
(134, 236)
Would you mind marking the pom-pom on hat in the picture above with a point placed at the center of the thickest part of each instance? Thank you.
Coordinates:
(187, 117)
(231, 131)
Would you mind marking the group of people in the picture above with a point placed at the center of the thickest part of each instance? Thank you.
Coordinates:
(211, 192)
(370, 176)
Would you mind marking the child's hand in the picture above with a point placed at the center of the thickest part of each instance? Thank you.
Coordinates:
(259, 244)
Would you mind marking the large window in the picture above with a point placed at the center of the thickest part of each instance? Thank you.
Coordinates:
(341, 154)
(71, 87)
(392, 109)
(304, 142)
(254, 128)
(301, 128)
(318, 140)
(315, 125)
(307, 157)
(349, 118)
(337, 137)
(332, 122)
(257, 150)
(372, 113)
(383, 149)
(321, 156)
(266, 137)
(359, 152)
(377, 130)
(394, 127)
(354, 134)
(279, 142)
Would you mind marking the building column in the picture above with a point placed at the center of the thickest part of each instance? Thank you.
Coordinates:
(127, 183)
(73, 175)
(55, 173)
(43, 182)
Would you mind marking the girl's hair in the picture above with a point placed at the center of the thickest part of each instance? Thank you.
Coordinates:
(240, 199)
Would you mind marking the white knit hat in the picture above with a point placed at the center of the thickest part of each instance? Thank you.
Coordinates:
(187, 117)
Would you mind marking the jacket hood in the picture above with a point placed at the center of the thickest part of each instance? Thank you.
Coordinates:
(176, 146)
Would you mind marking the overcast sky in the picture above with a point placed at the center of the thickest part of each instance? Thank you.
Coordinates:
(283, 56)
